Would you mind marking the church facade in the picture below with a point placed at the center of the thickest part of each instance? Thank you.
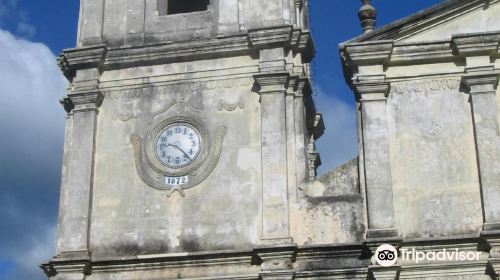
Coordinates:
(190, 145)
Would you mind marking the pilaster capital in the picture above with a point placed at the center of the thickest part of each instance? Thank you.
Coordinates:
(372, 243)
(479, 44)
(492, 239)
(84, 102)
(371, 88)
(481, 82)
(369, 53)
(270, 83)
(71, 60)
(293, 85)
(67, 104)
(303, 87)
(384, 273)
(277, 259)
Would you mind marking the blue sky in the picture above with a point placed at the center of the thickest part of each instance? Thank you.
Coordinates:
(33, 32)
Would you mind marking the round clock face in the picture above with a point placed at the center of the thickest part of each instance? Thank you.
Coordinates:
(177, 145)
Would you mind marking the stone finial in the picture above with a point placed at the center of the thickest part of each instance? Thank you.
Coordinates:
(367, 15)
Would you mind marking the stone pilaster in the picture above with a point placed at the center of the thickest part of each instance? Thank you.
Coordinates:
(372, 89)
(481, 80)
(290, 137)
(381, 219)
(91, 22)
(135, 22)
(275, 216)
(300, 129)
(82, 103)
(76, 194)
(482, 87)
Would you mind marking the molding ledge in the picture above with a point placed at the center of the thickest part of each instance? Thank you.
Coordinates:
(134, 56)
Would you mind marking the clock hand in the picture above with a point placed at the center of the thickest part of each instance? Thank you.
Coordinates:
(177, 147)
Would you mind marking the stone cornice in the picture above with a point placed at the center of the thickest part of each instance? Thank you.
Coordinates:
(245, 44)
(404, 53)
(66, 266)
(427, 51)
(476, 44)
(370, 53)
(210, 258)
(269, 37)
(81, 58)
(176, 52)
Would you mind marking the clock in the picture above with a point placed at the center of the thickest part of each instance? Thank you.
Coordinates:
(177, 153)
(177, 145)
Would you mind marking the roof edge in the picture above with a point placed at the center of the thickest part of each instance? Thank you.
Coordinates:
(440, 9)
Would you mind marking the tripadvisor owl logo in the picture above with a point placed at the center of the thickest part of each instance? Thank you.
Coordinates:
(386, 255)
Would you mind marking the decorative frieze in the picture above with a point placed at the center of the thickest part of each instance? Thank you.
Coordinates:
(188, 87)
(426, 86)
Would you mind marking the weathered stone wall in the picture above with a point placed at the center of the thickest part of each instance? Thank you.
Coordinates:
(135, 22)
(131, 218)
(430, 138)
(433, 158)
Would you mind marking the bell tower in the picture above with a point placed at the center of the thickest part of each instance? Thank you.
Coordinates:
(190, 128)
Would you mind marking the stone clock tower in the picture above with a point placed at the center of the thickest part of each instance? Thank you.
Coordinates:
(190, 145)
(190, 127)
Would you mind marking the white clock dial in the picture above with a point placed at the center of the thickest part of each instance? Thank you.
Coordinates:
(177, 145)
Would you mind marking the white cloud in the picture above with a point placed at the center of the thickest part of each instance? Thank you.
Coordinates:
(339, 144)
(32, 127)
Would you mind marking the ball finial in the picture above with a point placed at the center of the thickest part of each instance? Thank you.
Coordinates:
(367, 15)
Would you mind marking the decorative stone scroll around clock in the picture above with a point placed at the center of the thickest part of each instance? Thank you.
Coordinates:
(177, 153)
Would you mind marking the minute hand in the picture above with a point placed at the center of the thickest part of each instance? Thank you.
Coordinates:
(177, 147)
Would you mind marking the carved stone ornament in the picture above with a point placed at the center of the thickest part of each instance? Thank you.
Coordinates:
(231, 107)
(185, 171)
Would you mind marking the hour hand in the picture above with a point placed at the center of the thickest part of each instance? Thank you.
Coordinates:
(177, 147)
